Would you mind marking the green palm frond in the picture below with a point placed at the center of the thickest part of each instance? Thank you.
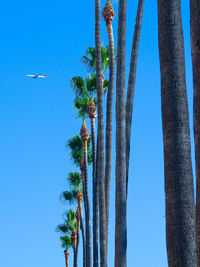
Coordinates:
(63, 228)
(81, 104)
(90, 62)
(76, 146)
(66, 241)
(68, 196)
(78, 85)
(75, 180)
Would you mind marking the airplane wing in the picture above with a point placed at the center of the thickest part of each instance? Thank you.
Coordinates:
(30, 75)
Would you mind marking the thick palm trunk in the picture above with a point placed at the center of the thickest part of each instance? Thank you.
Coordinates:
(78, 215)
(120, 169)
(131, 82)
(195, 45)
(179, 191)
(85, 136)
(100, 163)
(66, 252)
(109, 14)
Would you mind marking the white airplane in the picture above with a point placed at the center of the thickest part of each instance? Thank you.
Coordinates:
(37, 76)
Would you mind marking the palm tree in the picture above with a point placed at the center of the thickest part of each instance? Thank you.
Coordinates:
(92, 115)
(69, 227)
(108, 14)
(179, 191)
(66, 244)
(78, 220)
(100, 149)
(195, 46)
(85, 136)
(120, 170)
(74, 196)
(131, 82)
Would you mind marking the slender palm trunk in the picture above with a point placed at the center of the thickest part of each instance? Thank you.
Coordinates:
(131, 83)
(95, 198)
(66, 257)
(85, 208)
(109, 14)
(74, 242)
(85, 136)
(100, 163)
(83, 239)
(78, 215)
(179, 191)
(120, 169)
(74, 262)
(195, 46)
(79, 198)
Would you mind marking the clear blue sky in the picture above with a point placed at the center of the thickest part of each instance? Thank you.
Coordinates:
(36, 118)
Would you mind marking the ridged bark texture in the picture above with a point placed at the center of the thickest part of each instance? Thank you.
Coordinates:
(95, 197)
(85, 208)
(88, 224)
(179, 191)
(100, 163)
(120, 168)
(77, 246)
(195, 46)
(66, 252)
(131, 83)
(83, 238)
(109, 112)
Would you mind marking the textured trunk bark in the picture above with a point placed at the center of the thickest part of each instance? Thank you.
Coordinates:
(85, 208)
(88, 225)
(120, 169)
(77, 245)
(109, 110)
(131, 82)
(95, 198)
(74, 262)
(83, 238)
(66, 252)
(195, 45)
(179, 191)
(100, 163)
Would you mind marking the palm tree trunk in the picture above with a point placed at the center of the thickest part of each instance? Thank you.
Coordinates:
(131, 83)
(179, 191)
(109, 14)
(85, 136)
(95, 198)
(74, 262)
(66, 257)
(83, 238)
(195, 46)
(120, 169)
(100, 163)
(77, 244)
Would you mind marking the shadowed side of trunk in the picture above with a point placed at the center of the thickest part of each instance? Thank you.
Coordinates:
(100, 163)
(131, 83)
(108, 14)
(195, 46)
(179, 191)
(120, 167)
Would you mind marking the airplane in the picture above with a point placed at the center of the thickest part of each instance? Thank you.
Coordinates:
(37, 76)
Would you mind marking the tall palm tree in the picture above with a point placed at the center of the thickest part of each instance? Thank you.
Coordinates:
(66, 244)
(179, 191)
(100, 151)
(131, 82)
(108, 14)
(85, 136)
(69, 228)
(74, 196)
(78, 223)
(92, 115)
(120, 169)
(195, 46)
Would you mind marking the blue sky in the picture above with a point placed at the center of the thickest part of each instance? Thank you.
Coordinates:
(36, 119)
